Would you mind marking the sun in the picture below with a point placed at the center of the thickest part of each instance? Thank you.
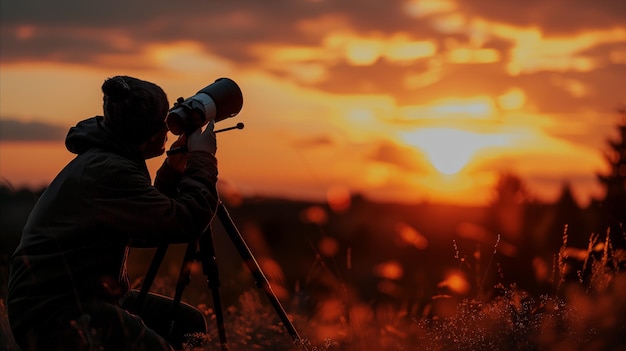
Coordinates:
(450, 161)
(449, 150)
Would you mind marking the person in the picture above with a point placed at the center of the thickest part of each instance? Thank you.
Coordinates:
(68, 285)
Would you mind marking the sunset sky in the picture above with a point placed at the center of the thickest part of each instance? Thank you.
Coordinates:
(408, 100)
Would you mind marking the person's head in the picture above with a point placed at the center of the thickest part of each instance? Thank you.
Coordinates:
(135, 111)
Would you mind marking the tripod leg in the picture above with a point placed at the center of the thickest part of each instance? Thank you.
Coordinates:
(150, 275)
(258, 275)
(183, 280)
(209, 266)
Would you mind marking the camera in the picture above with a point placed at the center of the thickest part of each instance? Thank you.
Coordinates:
(219, 100)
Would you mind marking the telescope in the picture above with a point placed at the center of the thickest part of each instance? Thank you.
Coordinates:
(219, 100)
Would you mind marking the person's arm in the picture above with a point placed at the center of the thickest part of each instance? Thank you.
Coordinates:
(171, 171)
(132, 207)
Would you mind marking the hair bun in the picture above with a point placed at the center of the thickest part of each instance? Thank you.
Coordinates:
(116, 88)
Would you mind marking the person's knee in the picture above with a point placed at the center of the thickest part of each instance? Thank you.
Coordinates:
(158, 312)
(193, 318)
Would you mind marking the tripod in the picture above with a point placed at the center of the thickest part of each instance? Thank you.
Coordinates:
(203, 250)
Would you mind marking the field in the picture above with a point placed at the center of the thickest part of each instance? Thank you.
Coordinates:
(384, 277)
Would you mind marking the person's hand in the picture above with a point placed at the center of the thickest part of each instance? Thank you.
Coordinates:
(203, 141)
(178, 160)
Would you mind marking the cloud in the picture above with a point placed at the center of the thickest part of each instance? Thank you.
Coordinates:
(415, 51)
(402, 157)
(39, 29)
(14, 130)
(314, 142)
(554, 17)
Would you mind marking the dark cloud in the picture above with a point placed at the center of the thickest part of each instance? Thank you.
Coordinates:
(275, 17)
(402, 157)
(603, 90)
(555, 17)
(42, 29)
(55, 46)
(315, 142)
(14, 130)
(81, 32)
(226, 28)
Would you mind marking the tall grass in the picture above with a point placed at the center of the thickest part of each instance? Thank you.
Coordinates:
(587, 313)
(584, 313)
(6, 338)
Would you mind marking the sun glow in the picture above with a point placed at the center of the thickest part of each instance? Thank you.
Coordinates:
(449, 150)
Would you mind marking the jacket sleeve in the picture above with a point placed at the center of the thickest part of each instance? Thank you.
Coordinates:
(127, 203)
(167, 179)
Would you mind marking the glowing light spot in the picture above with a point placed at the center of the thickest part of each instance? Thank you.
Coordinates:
(339, 198)
(411, 236)
(456, 282)
(314, 214)
(389, 270)
(25, 32)
(328, 246)
(195, 267)
(512, 99)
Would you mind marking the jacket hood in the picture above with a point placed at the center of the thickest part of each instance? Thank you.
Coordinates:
(92, 133)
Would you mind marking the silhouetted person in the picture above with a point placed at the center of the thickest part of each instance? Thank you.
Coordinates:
(68, 285)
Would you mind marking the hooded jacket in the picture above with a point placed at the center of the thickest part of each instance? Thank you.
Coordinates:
(74, 244)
